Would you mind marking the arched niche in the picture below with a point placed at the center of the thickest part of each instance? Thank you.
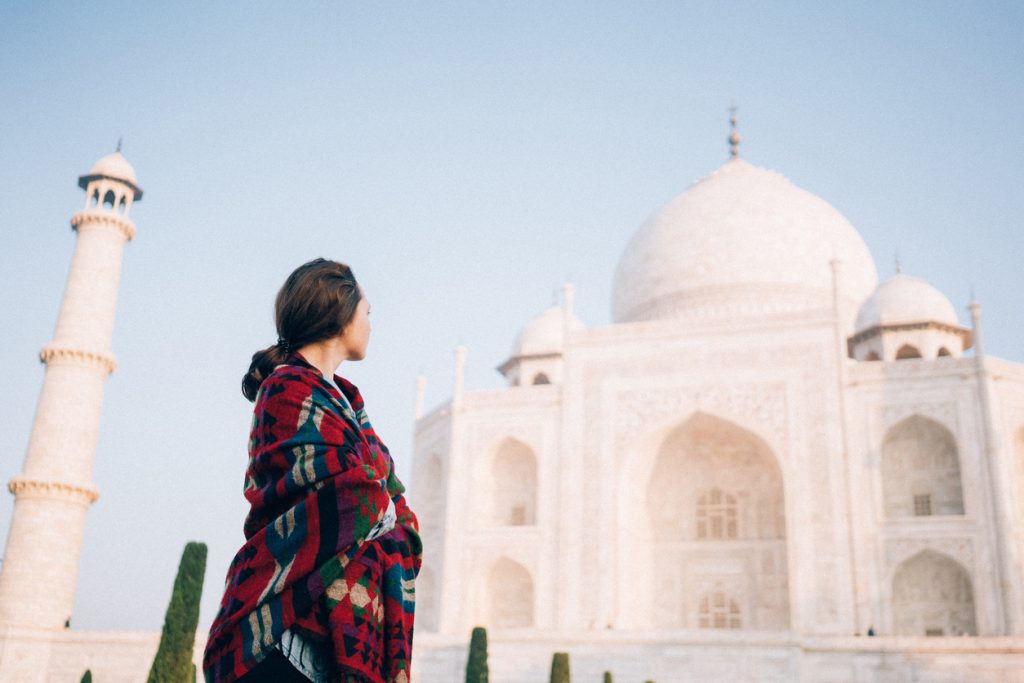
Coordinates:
(921, 470)
(509, 595)
(932, 595)
(716, 516)
(428, 602)
(541, 378)
(1018, 443)
(907, 352)
(429, 493)
(513, 496)
(943, 351)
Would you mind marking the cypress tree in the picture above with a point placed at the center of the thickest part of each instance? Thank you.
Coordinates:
(607, 677)
(87, 676)
(173, 662)
(560, 668)
(476, 667)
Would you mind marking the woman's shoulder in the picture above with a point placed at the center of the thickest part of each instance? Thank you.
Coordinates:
(289, 380)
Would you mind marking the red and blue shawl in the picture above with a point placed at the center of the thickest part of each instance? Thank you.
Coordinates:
(318, 480)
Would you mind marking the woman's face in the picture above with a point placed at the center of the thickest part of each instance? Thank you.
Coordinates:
(356, 335)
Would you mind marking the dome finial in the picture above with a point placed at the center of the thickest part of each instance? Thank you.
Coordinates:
(899, 264)
(734, 136)
(119, 141)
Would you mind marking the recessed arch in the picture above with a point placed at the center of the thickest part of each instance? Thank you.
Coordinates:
(1018, 443)
(541, 378)
(109, 200)
(429, 493)
(932, 595)
(943, 351)
(716, 510)
(427, 600)
(513, 496)
(95, 198)
(509, 595)
(920, 470)
(907, 352)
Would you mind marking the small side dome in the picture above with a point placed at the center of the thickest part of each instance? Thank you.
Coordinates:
(905, 318)
(536, 357)
(543, 335)
(115, 167)
(904, 299)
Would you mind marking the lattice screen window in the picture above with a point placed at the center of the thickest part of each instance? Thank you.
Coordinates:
(719, 611)
(716, 515)
(923, 505)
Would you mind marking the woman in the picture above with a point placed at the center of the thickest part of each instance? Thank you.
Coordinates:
(322, 589)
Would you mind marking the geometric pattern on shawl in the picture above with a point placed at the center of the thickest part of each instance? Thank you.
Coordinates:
(318, 480)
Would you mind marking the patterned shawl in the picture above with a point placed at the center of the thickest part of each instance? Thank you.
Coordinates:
(317, 484)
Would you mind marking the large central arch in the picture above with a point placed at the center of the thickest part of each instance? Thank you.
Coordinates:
(711, 529)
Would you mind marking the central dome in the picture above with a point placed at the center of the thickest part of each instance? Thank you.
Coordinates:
(743, 241)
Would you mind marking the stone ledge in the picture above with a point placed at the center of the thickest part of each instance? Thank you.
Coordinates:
(95, 218)
(60, 354)
(35, 488)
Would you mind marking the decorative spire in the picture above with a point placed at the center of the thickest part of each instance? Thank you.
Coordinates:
(119, 141)
(734, 136)
(899, 265)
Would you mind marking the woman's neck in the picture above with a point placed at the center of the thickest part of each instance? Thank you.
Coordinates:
(326, 356)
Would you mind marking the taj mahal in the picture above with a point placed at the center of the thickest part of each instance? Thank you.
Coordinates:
(770, 466)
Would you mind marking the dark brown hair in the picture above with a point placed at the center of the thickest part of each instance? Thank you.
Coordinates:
(316, 302)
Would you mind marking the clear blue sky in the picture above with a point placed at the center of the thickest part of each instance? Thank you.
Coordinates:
(466, 160)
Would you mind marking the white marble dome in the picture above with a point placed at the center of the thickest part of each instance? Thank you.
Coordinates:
(905, 299)
(743, 241)
(543, 334)
(114, 166)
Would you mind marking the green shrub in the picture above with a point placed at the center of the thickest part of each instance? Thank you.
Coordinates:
(607, 677)
(476, 666)
(87, 676)
(560, 668)
(173, 661)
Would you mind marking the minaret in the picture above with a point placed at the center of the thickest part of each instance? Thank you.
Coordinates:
(54, 489)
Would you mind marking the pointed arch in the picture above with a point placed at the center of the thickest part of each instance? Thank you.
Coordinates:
(509, 595)
(717, 511)
(429, 493)
(907, 352)
(943, 351)
(541, 378)
(109, 200)
(921, 470)
(514, 484)
(932, 595)
(1018, 447)
(428, 601)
